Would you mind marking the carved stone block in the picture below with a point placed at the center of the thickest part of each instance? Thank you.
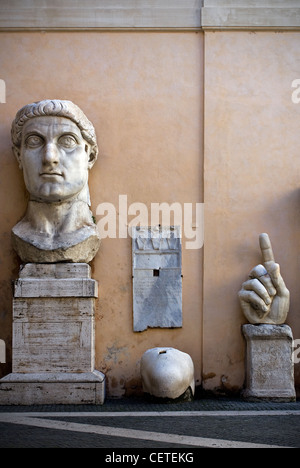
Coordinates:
(53, 337)
(269, 365)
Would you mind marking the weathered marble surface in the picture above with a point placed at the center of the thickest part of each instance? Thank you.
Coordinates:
(56, 146)
(269, 363)
(53, 388)
(53, 337)
(167, 373)
(53, 319)
(157, 281)
(264, 297)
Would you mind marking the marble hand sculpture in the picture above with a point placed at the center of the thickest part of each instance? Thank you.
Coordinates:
(55, 145)
(265, 298)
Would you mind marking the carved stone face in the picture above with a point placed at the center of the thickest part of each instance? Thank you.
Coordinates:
(55, 159)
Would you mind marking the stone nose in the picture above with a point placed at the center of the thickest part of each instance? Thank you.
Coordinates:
(50, 155)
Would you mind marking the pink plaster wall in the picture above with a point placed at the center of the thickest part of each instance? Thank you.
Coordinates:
(251, 184)
(144, 93)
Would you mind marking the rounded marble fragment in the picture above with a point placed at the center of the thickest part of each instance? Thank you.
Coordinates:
(167, 373)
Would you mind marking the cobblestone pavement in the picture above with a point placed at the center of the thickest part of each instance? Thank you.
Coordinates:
(137, 424)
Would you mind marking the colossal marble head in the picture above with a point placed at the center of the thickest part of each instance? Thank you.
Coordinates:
(56, 146)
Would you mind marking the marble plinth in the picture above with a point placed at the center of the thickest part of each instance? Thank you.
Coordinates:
(269, 364)
(53, 338)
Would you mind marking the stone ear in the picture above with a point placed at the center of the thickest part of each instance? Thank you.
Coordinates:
(92, 158)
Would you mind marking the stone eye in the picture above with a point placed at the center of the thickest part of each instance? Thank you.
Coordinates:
(67, 141)
(34, 141)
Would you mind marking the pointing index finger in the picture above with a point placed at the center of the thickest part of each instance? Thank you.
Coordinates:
(266, 248)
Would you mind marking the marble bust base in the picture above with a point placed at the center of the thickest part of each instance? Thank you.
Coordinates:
(83, 252)
(56, 232)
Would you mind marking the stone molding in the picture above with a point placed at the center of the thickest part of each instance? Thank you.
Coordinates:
(161, 15)
(55, 280)
(251, 14)
(56, 288)
(100, 14)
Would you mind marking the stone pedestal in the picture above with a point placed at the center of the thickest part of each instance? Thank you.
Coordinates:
(269, 364)
(53, 338)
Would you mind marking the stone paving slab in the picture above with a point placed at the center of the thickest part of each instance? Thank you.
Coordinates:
(142, 404)
(136, 424)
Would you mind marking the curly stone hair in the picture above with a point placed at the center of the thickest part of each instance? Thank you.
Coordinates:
(58, 108)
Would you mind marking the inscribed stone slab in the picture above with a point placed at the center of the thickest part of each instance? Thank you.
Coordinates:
(157, 281)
